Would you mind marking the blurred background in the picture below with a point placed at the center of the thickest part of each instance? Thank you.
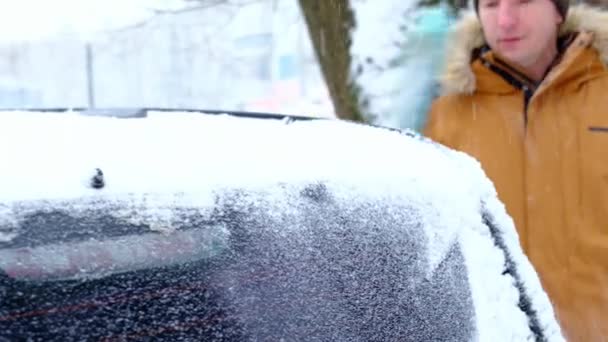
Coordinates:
(365, 60)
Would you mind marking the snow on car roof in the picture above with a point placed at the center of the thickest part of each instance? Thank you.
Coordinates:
(183, 158)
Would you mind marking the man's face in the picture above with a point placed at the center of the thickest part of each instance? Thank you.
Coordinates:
(522, 31)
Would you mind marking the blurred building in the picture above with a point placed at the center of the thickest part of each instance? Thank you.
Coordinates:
(254, 56)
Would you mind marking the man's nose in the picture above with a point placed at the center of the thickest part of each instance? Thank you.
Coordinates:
(508, 15)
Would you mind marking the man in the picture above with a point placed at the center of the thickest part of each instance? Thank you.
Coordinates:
(525, 91)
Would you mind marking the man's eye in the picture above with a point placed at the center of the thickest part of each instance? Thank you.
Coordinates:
(491, 4)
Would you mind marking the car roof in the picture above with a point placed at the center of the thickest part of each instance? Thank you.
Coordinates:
(308, 199)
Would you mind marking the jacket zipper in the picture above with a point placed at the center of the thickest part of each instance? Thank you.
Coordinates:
(524, 86)
(527, 96)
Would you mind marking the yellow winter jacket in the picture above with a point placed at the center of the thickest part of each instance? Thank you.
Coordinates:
(545, 147)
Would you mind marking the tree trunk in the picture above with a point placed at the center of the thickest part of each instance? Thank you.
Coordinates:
(329, 24)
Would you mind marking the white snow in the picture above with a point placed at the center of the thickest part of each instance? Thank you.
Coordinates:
(182, 158)
(57, 154)
(374, 37)
(399, 84)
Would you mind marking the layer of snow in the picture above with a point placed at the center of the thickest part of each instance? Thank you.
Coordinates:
(57, 154)
(170, 160)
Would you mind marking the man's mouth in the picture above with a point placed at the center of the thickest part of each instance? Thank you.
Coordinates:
(509, 40)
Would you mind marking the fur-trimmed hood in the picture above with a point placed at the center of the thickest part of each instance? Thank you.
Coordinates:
(458, 76)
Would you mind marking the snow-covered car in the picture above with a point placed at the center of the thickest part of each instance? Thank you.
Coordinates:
(209, 227)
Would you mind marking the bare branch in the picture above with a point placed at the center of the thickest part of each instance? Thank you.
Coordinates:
(197, 5)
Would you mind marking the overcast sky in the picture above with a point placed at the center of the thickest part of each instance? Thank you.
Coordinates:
(33, 19)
